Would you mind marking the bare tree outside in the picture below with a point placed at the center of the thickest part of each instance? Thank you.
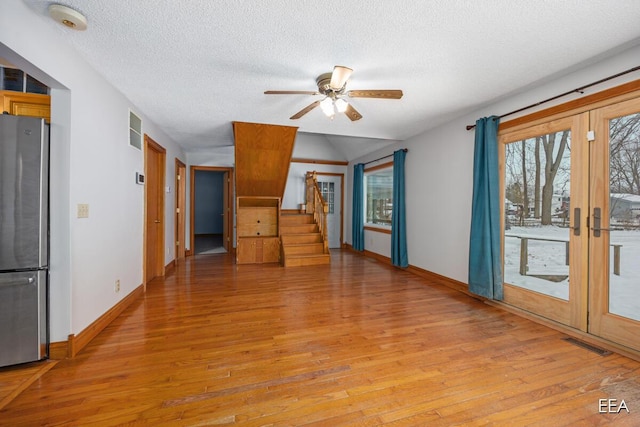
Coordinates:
(545, 161)
(553, 155)
(624, 162)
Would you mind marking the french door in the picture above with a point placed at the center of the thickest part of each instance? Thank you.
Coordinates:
(614, 245)
(546, 188)
(571, 240)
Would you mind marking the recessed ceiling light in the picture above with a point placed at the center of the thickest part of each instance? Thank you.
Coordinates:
(68, 17)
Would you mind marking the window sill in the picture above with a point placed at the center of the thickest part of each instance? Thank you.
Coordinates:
(378, 228)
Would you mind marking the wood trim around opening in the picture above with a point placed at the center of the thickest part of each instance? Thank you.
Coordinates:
(378, 230)
(192, 193)
(378, 167)
(589, 102)
(320, 162)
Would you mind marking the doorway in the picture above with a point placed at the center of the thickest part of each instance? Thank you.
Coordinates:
(211, 210)
(154, 166)
(571, 241)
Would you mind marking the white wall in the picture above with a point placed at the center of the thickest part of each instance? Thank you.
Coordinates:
(91, 162)
(309, 146)
(294, 193)
(439, 170)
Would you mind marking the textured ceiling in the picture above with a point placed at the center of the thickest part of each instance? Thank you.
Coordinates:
(195, 66)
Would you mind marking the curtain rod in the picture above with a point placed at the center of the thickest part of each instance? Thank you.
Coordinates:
(390, 155)
(578, 90)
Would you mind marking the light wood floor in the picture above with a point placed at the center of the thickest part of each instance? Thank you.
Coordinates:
(354, 343)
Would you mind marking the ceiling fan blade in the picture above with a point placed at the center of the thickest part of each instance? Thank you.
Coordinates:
(305, 110)
(352, 113)
(386, 94)
(339, 77)
(290, 92)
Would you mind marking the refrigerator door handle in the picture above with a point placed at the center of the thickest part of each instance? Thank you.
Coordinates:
(8, 280)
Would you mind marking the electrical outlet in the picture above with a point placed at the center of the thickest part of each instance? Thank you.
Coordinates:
(117, 287)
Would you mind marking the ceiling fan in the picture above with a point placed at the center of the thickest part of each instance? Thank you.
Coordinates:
(333, 86)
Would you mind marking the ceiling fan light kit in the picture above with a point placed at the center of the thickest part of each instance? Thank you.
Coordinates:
(68, 17)
(333, 86)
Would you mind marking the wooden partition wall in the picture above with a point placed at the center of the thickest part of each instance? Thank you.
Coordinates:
(263, 155)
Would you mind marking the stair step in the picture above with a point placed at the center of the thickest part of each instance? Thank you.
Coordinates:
(293, 219)
(303, 249)
(302, 260)
(291, 239)
(298, 229)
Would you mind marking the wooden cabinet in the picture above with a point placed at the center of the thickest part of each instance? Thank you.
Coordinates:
(26, 104)
(257, 250)
(257, 221)
(257, 230)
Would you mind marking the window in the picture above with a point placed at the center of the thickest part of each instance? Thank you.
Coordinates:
(135, 131)
(378, 184)
(19, 81)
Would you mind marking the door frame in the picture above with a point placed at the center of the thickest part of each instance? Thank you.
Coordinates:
(341, 176)
(227, 206)
(181, 208)
(588, 103)
(159, 269)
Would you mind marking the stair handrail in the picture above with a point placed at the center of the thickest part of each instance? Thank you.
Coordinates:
(318, 207)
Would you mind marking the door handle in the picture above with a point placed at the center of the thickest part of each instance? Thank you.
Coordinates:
(576, 221)
(157, 221)
(597, 218)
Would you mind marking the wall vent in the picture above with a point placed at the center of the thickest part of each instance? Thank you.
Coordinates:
(135, 130)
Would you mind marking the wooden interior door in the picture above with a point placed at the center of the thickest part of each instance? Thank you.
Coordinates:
(181, 192)
(154, 155)
(614, 256)
(545, 241)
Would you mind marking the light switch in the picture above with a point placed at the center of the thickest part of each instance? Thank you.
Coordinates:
(83, 210)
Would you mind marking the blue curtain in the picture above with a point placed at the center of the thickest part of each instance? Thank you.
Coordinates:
(485, 263)
(357, 218)
(399, 256)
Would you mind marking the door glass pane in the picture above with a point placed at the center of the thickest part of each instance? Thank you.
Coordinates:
(624, 216)
(536, 243)
(327, 192)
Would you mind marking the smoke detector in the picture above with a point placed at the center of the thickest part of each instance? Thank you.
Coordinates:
(68, 17)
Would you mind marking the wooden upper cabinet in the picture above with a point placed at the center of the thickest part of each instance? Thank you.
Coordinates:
(263, 155)
(26, 104)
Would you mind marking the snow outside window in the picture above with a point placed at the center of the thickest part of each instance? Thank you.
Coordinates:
(378, 186)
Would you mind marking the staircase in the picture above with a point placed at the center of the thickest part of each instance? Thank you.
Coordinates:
(302, 242)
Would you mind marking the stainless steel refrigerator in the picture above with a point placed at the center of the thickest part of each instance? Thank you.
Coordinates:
(24, 239)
